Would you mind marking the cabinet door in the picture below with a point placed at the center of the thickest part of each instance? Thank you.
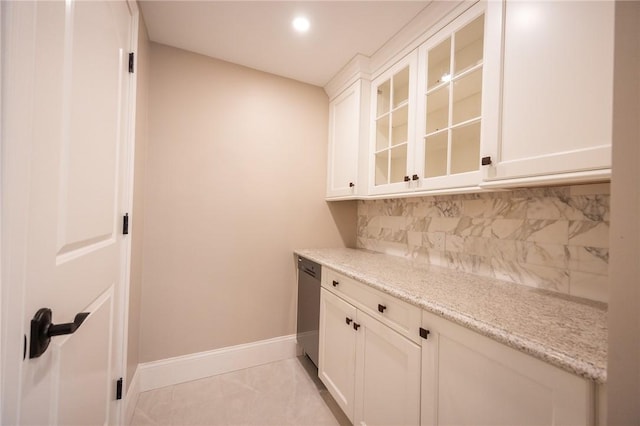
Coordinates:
(337, 355)
(392, 128)
(344, 140)
(468, 379)
(387, 376)
(557, 92)
(450, 114)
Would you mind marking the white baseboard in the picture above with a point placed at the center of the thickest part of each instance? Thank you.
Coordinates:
(171, 371)
(131, 399)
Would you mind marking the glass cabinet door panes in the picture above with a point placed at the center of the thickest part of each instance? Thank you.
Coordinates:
(469, 44)
(399, 126)
(467, 99)
(384, 95)
(465, 148)
(438, 110)
(435, 155)
(382, 167)
(382, 133)
(401, 87)
(439, 64)
(453, 99)
(392, 133)
(398, 163)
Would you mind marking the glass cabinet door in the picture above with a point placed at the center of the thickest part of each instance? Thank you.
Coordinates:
(391, 128)
(452, 96)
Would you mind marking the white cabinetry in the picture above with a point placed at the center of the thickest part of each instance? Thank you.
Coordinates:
(468, 379)
(368, 366)
(348, 121)
(393, 127)
(556, 94)
(451, 86)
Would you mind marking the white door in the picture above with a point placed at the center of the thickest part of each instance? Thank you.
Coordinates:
(66, 178)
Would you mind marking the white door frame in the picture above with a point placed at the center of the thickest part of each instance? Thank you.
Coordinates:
(13, 227)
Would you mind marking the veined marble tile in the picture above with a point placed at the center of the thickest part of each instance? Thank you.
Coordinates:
(506, 228)
(555, 279)
(593, 260)
(589, 233)
(544, 231)
(443, 224)
(533, 253)
(468, 263)
(590, 286)
(418, 223)
(502, 249)
(589, 207)
(523, 230)
(453, 243)
(414, 238)
(473, 227)
(433, 240)
(394, 222)
(590, 189)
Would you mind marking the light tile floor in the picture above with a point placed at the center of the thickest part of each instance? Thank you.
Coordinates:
(281, 393)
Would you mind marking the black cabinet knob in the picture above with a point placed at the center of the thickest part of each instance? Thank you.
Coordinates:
(348, 320)
(356, 326)
(406, 179)
(486, 161)
(351, 184)
(415, 177)
(424, 333)
(381, 308)
(335, 283)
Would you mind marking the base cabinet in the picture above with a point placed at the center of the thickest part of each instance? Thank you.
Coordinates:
(371, 371)
(468, 379)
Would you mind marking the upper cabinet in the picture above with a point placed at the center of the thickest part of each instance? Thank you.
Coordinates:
(392, 127)
(556, 93)
(348, 121)
(450, 106)
(498, 94)
(428, 139)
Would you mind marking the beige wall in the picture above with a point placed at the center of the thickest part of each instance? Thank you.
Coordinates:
(235, 180)
(623, 369)
(137, 213)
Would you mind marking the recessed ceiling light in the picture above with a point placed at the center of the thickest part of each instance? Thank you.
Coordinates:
(301, 24)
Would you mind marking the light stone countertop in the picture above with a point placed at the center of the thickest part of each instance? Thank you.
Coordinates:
(565, 331)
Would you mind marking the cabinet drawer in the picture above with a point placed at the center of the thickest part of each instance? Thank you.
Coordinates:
(397, 314)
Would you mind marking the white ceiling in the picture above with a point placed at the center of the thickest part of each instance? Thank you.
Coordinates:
(258, 34)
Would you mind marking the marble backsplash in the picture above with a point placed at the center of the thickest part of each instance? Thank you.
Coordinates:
(556, 238)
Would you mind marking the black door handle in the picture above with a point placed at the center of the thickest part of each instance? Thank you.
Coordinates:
(381, 308)
(42, 330)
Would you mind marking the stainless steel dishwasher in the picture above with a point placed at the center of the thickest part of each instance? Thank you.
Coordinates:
(308, 307)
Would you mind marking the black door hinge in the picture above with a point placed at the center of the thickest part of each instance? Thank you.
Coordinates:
(424, 333)
(131, 62)
(125, 224)
(119, 389)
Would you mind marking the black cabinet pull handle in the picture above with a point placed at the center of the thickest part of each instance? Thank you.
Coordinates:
(381, 308)
(415, 177)
(348, 320)
(486, 161)
(406, 179)
(424, 333)
(351, 185)
(42, 330)
(356, 326)
(335, 283)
